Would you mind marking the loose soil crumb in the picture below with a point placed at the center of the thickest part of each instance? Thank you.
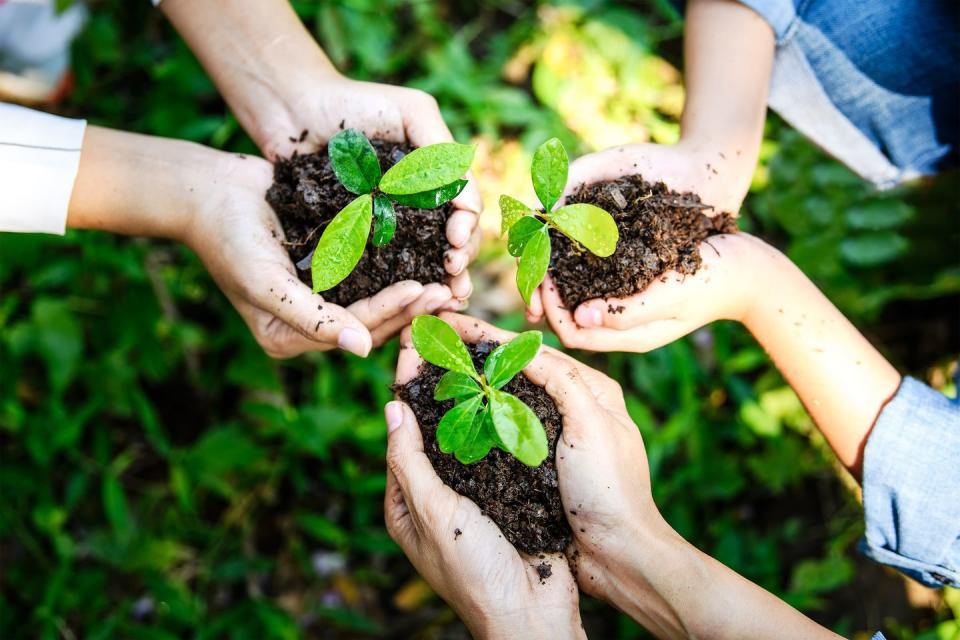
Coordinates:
(306, 196)
(523, 501)
(660, 230)
(544, 570)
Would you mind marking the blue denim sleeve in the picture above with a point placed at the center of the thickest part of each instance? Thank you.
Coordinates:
(911, 486)
(779, 14)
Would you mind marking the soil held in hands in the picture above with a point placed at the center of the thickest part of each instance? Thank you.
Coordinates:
(523, 501)
(660, 230)
(306, 195)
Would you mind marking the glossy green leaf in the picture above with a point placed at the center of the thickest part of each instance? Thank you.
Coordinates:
(342, 244)
(455, 385)
(511, 210)
(478, 442)
(439, 344)
(549, 172)
(518, 428)
(458, 423)
(509, 359)
(589, 225)
(354, 161)
(384, 220)
(431, 199)
(521, 232)
(533, 264)
(428, 168)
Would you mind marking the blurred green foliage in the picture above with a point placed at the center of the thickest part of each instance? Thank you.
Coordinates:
(162, 478)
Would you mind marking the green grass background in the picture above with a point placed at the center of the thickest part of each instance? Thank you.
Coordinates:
(162, 478)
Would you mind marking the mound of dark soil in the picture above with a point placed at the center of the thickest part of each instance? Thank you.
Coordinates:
(306, 196)
(660, 230)
(523, 501)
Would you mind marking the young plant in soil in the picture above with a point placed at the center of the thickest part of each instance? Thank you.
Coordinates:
(660, 230)
(483, 415)
(425, 178)
(584, 224)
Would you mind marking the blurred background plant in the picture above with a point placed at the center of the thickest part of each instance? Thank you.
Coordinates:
(162, 478)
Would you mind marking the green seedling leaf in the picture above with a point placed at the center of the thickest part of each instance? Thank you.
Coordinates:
(428, 168)
(433, 198)
(549, 172)
(521, 232)
(591, 226)
(439, 344)
(478, 443)
(458, 424)
(354, 161)
(456, 386)
(342, 244)
(533, 263)
(511, 211)
(509, 359)
(384, 220)
(518, 428)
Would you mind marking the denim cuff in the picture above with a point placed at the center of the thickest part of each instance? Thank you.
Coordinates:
(911, 486)
(779, 14)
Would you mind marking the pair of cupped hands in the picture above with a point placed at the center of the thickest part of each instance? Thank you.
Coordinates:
(237, 235)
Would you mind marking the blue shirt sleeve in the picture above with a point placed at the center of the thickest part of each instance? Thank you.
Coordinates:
(911, 486)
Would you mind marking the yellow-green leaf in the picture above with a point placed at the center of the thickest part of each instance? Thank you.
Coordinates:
(589, 225)
(511, 210)
(533, 263)
(428, 168)
(342, 243)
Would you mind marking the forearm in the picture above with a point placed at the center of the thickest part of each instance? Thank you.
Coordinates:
(535, 622)
(728, 57)
(256, 53)
(139, 185)
(675, 591)
(842, 380)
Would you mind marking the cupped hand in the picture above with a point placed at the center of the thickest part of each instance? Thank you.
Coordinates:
(673, 305)
(237, 236)
(333, 102)
(461, 553)
(721, 179)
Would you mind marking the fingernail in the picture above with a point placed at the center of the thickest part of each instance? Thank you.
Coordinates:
(353, 341)
(457, 264)
(393, 412)
(589, 317)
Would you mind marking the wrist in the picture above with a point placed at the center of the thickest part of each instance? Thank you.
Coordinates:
(724, 166)
(653, 582)
(534, 621)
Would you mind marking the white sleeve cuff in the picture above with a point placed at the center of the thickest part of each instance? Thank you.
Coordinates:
(39, 159)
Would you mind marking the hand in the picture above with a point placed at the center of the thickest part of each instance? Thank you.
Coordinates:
(237, 236)
(720, 178)
(495, 589)
(723, 288)
(624, 551)
(330, 102)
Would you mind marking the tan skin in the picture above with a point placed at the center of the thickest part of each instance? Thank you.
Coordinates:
(278, 83)
(213, 202)
(627, 554)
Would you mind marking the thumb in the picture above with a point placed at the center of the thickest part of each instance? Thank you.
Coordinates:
(405, 457)
(313, 318)
(661, 300)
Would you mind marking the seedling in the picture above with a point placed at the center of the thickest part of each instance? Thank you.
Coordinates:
(484, 416)
(425, 178)
(529, 230)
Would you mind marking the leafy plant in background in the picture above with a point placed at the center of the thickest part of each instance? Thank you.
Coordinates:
(471, 427)
(425, 178)
(529, 230)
